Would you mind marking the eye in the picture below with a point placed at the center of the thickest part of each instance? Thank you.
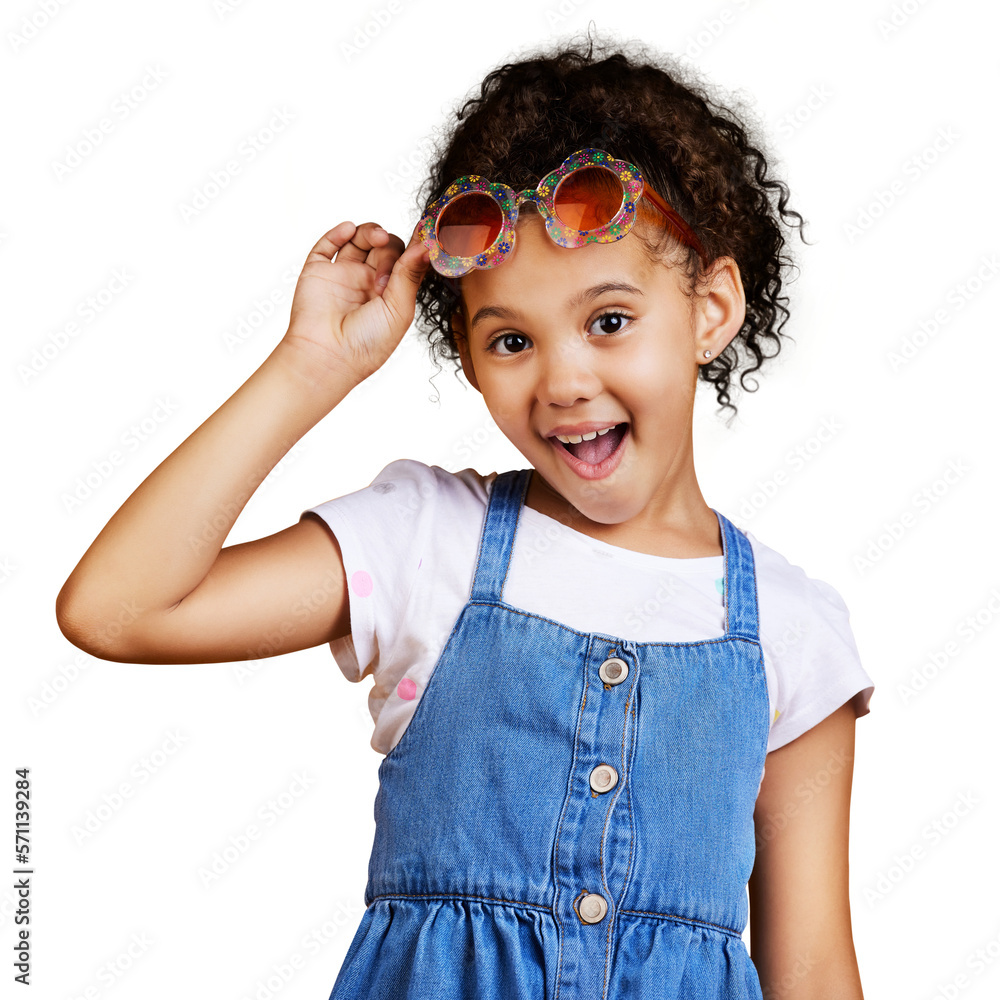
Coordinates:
(505, 337)
(614, 318)
(611, 326)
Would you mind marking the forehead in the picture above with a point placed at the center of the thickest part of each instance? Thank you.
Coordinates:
(538, 274)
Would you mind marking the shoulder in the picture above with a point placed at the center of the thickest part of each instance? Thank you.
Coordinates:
(407, 489)
(807, 640)
(463, 486)
(784, 584)
(413, 524)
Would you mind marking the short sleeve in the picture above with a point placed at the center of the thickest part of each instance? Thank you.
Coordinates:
(820, 667)
(380, 531)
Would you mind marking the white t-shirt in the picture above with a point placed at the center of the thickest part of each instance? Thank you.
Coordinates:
(410, 541)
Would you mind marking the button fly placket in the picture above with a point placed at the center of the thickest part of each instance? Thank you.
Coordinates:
(594, 848)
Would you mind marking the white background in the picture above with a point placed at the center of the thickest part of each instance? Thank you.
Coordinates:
(156, 356)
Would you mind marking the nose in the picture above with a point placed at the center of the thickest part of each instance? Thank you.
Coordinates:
(567, 373)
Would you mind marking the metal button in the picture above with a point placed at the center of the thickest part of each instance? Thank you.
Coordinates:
(592, 908)
(613, 670)
(603, 778)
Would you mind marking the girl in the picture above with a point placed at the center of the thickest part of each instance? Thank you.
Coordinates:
(573, 799)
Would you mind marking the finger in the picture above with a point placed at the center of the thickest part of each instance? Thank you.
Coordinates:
(331, 242)
(384, 258)
(369, 236)
(396, 243)
(384, 269)
(407, 273)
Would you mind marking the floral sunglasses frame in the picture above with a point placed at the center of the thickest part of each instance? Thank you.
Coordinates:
(543, 197)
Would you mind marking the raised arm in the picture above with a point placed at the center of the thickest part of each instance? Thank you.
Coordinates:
(800, 913)
(156, 585)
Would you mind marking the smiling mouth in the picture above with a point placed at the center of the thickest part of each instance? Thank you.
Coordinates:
(597, 450)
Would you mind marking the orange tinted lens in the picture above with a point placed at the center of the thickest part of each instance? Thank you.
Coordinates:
(588, 198)
(469, 225)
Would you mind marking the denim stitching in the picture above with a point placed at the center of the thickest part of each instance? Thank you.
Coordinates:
(610, 639)
(463, 895)
(631, 844)
(631, 824)
(569, 792)
(693, 921)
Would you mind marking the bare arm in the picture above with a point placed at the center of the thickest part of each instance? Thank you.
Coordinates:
(800, 916)
(156, 586)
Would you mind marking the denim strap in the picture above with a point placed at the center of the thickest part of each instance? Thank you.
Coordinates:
(497, 540)
(741, 582)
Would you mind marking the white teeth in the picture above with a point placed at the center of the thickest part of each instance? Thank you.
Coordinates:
(577, 438)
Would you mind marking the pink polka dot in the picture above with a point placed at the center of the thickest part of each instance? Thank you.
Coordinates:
(406, 689)
(419, 564)
(362, 583)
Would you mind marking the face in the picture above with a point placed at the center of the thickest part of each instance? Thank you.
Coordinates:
(572, 341)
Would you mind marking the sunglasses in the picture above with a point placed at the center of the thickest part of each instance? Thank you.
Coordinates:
(589, 198)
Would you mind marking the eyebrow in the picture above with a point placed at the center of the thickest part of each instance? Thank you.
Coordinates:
(587, 295)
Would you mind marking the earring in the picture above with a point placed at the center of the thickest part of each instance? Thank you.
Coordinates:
(708, 354)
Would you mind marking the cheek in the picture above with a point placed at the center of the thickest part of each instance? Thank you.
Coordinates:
(661, 401)
(657, 372)
(504, 401)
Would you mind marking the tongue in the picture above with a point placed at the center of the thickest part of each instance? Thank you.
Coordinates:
(597, 450)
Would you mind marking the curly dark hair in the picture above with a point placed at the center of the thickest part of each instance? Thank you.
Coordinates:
(639, 106)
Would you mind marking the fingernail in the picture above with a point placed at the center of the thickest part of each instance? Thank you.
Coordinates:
(382, 282)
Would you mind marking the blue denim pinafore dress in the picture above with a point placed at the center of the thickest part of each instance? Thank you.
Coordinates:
(568, 815)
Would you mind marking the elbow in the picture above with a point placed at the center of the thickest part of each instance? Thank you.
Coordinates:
(99, 633)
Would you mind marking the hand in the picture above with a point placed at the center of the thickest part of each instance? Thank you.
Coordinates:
(342, 315)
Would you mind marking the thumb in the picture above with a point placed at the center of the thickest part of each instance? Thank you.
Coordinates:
(400, 292)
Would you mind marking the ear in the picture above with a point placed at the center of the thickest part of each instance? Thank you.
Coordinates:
(721, 308)
(461, 342)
